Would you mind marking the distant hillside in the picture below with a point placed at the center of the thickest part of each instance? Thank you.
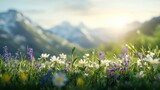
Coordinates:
(19, 32)
(149, 27)
(146, 35)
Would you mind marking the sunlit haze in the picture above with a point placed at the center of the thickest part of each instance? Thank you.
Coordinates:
(93, 13)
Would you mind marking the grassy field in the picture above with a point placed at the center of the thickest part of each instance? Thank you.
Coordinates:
(130, 69)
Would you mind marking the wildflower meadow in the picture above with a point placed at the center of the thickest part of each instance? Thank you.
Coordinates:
(130, 69)
(80, 45)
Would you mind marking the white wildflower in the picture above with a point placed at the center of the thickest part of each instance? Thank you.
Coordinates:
(139, 63)
(140, 74)
(152, 54)
(59, 79)
(149, 67)
(54, 59)
(145, 63)
(44, 56)
(86, 74)
(82, 61)
(94, 65)
(62, 56)
(154, 61)
(42, 66)
(105, 62)
(87, 55)
(61, 62)
(120, 61)
(148, 56)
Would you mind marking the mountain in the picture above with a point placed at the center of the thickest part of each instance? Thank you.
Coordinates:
(79, 35)
(133, 25)
(149, 26)
(146, 35)
(19, 32)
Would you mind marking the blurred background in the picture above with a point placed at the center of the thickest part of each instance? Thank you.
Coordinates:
(56, 26)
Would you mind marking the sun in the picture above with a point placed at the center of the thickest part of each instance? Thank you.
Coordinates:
(119, 21)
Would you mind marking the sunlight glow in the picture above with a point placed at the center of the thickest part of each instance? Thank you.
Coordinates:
(119, 21)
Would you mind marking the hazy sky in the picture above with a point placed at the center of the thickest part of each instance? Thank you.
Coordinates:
(93, 13)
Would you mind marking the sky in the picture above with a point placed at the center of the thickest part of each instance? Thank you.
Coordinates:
(93, 13)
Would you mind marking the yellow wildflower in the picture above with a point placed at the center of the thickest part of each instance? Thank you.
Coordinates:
(80, 81)
(5, 78)
(22, 76)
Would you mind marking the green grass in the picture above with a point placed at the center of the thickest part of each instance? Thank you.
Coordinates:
(92, 74)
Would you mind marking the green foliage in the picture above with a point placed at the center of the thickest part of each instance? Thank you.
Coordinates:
(157, 32)
(130, 71)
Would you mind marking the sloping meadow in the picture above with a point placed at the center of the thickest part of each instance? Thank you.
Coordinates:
(131, 69)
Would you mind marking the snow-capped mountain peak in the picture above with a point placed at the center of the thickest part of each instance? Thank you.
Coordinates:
(10, 18)
(66, 30)
(79, 34)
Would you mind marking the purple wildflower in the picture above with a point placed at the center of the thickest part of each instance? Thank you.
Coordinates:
(42, 80)
(111, 73)
(49, 71)
(125, 68)
(101, 55)
(115, 64)
(46, 78)
(125, 64)
(30, 54)
(123, 52)
(110, 70)
(110, 64)
(113, 69)
(6, 55)
(117, 68)
(37, 65)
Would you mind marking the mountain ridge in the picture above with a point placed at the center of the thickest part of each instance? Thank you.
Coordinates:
(20, 32)
(79, 35)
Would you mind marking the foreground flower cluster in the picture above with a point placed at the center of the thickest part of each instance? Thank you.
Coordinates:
(89, 71)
